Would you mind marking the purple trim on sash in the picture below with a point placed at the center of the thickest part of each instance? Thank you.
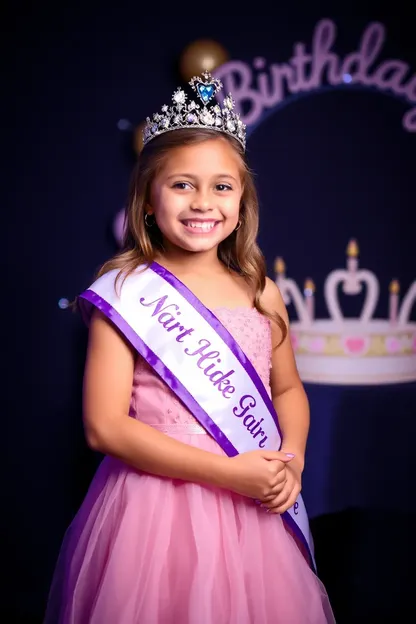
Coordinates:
(222, 332)
(151, 358)
(287, 519)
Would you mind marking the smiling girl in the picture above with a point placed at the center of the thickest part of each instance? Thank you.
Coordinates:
(195, 514)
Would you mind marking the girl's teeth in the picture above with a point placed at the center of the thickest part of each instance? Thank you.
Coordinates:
(201, 226)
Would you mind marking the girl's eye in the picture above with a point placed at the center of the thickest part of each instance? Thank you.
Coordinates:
(182, 186)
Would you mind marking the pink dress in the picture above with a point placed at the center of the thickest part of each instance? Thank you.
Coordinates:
(150, 550)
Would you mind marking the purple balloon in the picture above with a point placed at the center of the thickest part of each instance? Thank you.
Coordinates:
(119, 226)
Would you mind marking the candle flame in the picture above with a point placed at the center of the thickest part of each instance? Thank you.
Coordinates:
(352, 249)
(309, 285)
(394, 287)
(279, 266)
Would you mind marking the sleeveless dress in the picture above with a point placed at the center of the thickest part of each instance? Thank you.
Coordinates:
(149, 550)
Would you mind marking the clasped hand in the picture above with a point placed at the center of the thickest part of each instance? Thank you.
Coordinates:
(269, 477)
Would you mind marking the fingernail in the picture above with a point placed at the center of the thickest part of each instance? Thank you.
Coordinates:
(289, 454)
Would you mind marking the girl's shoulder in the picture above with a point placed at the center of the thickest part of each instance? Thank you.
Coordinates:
(271, 298)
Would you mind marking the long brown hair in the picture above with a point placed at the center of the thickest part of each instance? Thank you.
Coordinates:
(239, 252)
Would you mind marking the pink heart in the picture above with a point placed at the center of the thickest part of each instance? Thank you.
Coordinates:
(392, 345)
(317, 345)
(355, 346)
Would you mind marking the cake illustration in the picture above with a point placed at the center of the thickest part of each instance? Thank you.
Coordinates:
(351, 351)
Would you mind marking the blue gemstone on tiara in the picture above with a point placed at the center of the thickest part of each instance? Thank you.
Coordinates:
(188, 113)
(206, 92)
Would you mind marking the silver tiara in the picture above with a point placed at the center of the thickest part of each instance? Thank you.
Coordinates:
(191, 114)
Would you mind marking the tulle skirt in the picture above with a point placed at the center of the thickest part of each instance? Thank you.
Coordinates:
(150, 550)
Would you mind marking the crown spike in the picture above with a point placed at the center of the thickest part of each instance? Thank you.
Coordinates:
(203, 112)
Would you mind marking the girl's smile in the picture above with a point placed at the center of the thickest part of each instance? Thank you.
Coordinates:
(200, 227)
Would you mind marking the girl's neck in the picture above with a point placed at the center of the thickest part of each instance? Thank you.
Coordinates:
(181, 261)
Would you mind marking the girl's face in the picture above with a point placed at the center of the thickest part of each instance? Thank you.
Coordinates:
(196, 195)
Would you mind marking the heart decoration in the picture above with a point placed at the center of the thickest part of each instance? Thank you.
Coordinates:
(206, 92)
(356, 345)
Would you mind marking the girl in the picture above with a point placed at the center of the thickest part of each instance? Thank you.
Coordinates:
(194, 516)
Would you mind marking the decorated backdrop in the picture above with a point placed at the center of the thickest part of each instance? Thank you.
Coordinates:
(329, 104)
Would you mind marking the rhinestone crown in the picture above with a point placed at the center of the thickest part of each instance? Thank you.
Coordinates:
(191, 114)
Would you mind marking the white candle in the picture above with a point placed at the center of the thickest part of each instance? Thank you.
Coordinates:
(308, 292)
(280, 267)
(280, 270)
(394, 301)
(352, 253)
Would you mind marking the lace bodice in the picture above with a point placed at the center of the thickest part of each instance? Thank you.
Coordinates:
(154, 403)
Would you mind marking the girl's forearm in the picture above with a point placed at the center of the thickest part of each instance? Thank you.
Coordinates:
(144, 448)
(292, 407)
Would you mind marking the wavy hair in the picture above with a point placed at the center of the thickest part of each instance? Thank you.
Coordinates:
(239, 251)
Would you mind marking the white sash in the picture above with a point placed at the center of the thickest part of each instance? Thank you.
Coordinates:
(200, 361)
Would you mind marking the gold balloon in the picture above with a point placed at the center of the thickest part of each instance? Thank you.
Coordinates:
(202, 55)
(138, 137)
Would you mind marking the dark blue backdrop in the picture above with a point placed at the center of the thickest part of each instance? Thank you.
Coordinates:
(329, 167)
